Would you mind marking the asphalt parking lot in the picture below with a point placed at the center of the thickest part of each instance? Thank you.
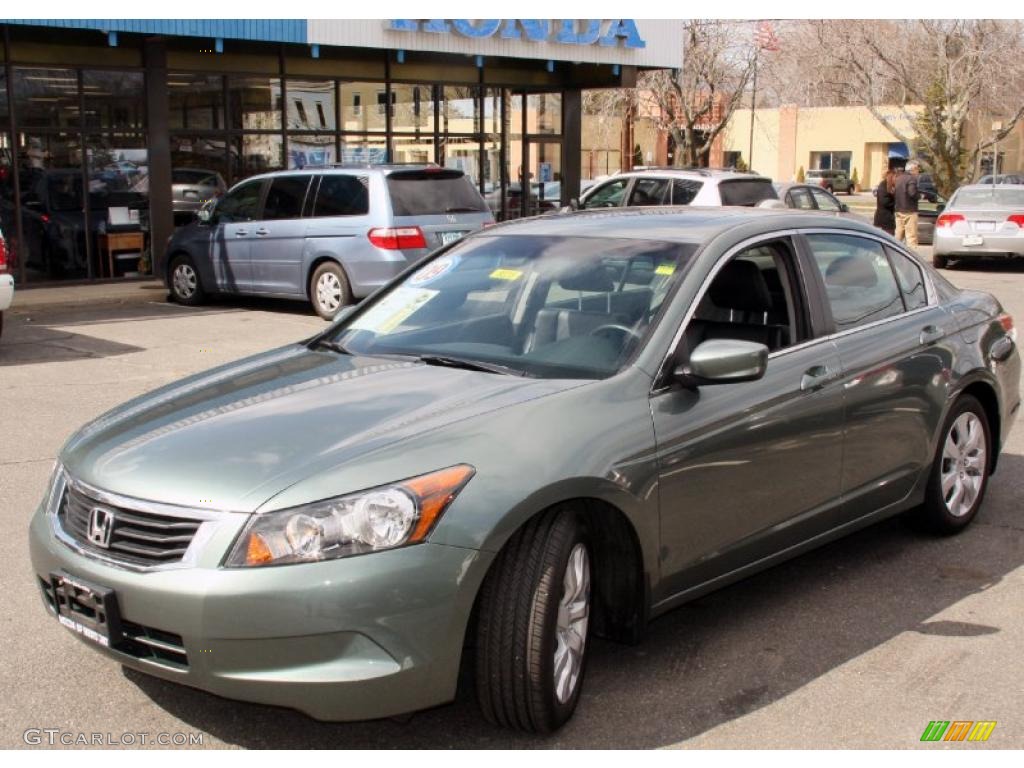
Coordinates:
(859, 644)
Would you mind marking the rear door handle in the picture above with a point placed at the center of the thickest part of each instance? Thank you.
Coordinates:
(815, 377)
(930, 334)
(241, 232)
(262, 232)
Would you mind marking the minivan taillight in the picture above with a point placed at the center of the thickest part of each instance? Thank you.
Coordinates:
(948, 220)
(397, 238)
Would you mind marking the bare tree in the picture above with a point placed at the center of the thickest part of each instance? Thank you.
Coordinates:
(693, 104)
(936, 76)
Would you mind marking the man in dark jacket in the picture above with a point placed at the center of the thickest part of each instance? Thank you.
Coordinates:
(906, 196)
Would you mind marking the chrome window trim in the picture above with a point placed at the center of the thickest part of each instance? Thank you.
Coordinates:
(876, 323)
(210, 522)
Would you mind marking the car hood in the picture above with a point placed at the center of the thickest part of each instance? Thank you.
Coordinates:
(235, 436)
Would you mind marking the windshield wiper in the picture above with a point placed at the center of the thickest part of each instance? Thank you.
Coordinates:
(470, 365)
(334, 346)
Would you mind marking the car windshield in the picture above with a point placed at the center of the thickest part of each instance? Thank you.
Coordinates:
(550, 307)
(989, 198)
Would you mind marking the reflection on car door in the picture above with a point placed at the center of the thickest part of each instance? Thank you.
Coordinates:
(744, 467)
(890, 338)
(231, 237)
(279, 236)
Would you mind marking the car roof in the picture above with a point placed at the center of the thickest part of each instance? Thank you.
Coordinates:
(683, 224)
(704, 174)
(363, 168)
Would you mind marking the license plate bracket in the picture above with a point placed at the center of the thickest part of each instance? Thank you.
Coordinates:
(86, 609)
(973, 240)
(451, 237)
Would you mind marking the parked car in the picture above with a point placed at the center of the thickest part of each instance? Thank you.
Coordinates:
(6, 283)
(328, 236)
(190, 188)
(1003, 178)
(834, 180)
(553, 429)
(807, 197)
(678, 186)
(981, 220)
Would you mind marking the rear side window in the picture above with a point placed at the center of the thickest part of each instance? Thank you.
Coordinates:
(684, 190)
(860, 284)
(650, 192)
(911, 280)
(747, 192)
(824, 200)
(425, 193)
(285, 197)
(341, 195)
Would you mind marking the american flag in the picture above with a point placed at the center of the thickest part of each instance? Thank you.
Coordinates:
(764, 37)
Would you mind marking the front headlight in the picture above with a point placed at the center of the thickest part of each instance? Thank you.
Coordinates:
(369, 521)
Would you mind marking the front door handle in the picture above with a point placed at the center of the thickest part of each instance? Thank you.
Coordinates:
(241, 232)
(262, 232)
(930, 334)
(815, 377)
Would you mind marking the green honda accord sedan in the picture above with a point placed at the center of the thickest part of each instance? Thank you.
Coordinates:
(552, 430)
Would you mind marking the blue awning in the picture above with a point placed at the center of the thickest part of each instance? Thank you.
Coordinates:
(899, 149)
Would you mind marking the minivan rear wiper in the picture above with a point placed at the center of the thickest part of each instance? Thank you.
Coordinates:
(469, 365)
(334, 346)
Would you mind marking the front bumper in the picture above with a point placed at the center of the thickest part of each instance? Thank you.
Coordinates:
(6, 291)
(350, 639)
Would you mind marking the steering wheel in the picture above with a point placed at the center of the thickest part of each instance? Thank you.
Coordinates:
(616, 327)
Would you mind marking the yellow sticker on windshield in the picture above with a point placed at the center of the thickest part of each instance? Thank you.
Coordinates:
(506, 274)
(665, 269)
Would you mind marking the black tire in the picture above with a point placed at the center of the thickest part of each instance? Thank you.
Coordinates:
(935, 514)
(516, 631)
(940, 261)
(183, 278)
(323, 305)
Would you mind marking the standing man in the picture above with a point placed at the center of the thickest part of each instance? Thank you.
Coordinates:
(906, 196)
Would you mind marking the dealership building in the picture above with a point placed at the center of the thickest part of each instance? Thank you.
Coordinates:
(104, 122)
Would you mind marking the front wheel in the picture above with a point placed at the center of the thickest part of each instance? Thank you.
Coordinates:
(329, 290)
(959, 475)
(186, 287)
(533, 625)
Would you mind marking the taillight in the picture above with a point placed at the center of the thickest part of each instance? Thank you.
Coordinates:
(948, 219)
(1017, 218)
(3, 255)
(397, 238)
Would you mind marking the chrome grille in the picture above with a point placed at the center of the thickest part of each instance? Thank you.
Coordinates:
(140, 538)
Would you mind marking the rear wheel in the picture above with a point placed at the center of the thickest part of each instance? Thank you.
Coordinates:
(960, 472)
(940, 261)
(533, 625)
(185, 285)
(329, 290)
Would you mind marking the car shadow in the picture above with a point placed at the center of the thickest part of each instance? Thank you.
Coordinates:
(709, 662)
(983, 264)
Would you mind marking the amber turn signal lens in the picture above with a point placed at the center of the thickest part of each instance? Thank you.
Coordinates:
(257, 552)
(435, 492)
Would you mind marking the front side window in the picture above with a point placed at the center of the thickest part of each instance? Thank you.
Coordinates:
(859, 282)
(285, 197)
(608, 196)
(551, 307)
(240, 204)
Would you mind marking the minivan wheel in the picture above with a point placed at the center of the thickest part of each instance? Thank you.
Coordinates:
(533, 625)
(328, 290)
(960, 472)
(185, 285)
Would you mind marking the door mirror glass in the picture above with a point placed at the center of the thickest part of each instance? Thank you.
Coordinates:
(574, 204)
(205, 214)
(844, 208)
(723, 361)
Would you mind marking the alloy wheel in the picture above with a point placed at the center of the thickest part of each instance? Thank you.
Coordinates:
(962, 474)
(571, 627)
(185, 281)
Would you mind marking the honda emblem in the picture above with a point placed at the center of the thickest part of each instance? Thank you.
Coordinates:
(101, 525)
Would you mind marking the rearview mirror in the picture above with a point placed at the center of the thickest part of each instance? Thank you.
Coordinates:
(723, 361)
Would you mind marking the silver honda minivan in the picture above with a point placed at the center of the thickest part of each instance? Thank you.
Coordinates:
(324, 235)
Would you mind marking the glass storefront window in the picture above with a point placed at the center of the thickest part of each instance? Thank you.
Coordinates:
(463, 153)
(46, 98)
(310, 105)
(195, 101)
(413, 149)
(361, 106)
(544, 113)
(412, 108)
(255, 102)
(198, 172)
(118, 202)
(305, 150)
(259, 153)
(460, 109)
(370, 150)
(114, 100)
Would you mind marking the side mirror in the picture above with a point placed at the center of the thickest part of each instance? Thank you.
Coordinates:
(844, 208)
(723, 361)
(940, 207)
(574, 204)
(205, 215)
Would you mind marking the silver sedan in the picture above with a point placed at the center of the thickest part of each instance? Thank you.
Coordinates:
(981, 220)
